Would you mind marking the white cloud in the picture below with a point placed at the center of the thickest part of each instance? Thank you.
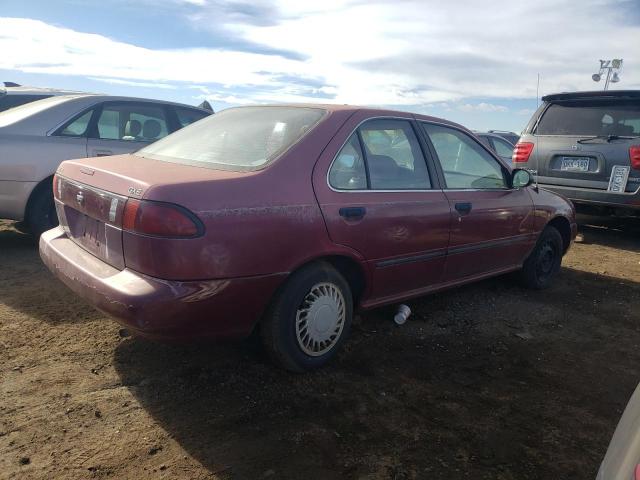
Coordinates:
(356, 52)
(482, 107)
(131, 83)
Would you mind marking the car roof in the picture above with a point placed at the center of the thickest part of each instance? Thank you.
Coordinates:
(592, 94)
(118, 98)
(26, 90)
(375, 111)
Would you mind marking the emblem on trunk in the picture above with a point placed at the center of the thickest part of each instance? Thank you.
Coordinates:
(79, 198)
(135, 191)
(575, 147)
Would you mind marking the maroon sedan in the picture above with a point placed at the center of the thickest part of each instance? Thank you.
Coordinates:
(288, 218)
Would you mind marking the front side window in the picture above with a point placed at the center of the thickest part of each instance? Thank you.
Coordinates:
(241, 138)
(132, 122)
(465, 164)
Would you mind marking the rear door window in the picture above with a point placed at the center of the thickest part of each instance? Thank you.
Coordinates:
(465, 164)
(132, 122)
(394, 156)
(591, 117)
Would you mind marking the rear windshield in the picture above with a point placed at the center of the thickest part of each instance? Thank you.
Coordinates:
(236, 139)
(21, 112)
(591, 117)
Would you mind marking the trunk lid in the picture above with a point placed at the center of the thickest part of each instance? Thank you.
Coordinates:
(91, 193)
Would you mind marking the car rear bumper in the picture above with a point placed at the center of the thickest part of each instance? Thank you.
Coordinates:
(596, 197)
(156, 308)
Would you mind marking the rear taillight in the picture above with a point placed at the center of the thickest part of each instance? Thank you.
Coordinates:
(160, 219)
(634, 156)
(522, 152)
(57, 187)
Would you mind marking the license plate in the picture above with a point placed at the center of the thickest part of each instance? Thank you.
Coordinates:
(575, 164)
(619, 178)
(91, 232)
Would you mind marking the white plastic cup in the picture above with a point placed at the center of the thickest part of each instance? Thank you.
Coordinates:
(403, 313)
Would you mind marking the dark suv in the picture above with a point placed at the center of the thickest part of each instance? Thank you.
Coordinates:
(586, 146)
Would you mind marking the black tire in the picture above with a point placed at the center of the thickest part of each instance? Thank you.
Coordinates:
(543, 263)
(278, 327)
(41, 215)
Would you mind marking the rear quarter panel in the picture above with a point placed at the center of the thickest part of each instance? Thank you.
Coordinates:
(256, 223)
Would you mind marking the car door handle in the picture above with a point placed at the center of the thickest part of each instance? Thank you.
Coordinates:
(102, 153)
(463, 208)
(352, 213)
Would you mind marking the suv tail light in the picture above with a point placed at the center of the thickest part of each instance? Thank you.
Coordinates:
(634, 156)
(160, 219)
(522, 152)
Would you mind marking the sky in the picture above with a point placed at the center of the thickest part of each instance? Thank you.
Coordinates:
(473, 62)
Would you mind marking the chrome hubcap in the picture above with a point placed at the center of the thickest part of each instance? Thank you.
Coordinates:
(320, 319)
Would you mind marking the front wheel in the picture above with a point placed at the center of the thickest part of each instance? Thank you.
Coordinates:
(542, 265)
(309, 318)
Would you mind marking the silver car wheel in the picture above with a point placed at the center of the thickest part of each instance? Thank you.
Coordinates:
(320, 319)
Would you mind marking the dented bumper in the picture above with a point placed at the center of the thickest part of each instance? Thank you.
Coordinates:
(157, 308)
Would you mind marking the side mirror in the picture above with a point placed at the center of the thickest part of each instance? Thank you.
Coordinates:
(521, 178)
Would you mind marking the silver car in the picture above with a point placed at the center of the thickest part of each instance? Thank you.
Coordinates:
(36, 137)
(13, 95)
(622, 460)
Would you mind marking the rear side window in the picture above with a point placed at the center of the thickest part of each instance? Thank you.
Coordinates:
(465, 164)
(393, 155)
(133, 122)
(77, 127)
(187, 116)
(392, 158)
(501, 147)
(591, 117)
(348, 171)
(236, 139)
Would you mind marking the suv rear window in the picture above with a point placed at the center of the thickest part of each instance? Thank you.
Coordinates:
(591, 117)
(241, 138)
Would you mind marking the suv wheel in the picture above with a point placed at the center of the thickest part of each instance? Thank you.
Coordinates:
(543, 263)
(309, 318)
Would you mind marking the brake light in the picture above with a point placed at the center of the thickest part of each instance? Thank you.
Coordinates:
(57, 187)
(159, 219)
(522, 152)
(634, 156)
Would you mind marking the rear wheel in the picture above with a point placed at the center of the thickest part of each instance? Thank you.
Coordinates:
(309, 318)
(42, 211)
(543, 263)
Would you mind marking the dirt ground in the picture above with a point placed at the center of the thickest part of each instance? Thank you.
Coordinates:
(488, 381)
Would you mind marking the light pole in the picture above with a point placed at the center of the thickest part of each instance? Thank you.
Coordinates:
(612, 67)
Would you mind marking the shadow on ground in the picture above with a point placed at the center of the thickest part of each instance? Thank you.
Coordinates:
(456, 392)
(28, 287)
(615, 232)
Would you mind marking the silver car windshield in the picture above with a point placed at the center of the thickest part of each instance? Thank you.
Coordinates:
(244, 138)
(16, 114)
